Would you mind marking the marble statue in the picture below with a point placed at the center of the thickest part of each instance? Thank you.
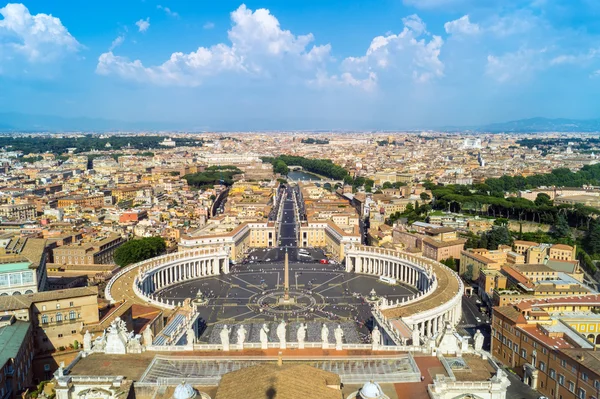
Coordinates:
(134, 344)
(281, 334)
(224, 334)
(339, 335)
(148, 336)
(325, 336)
(117, 338)
(87, 341)
(375, 338)
(416, 341)
(478, 345)
(264, 336)
(241, 336)
(99, 342)
(190, 335)
(301, 335)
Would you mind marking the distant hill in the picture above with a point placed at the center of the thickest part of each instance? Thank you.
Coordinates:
(543, 125)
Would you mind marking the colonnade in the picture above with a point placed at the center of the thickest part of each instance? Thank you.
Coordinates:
(414, 271)
(158, 273)
(404, 272)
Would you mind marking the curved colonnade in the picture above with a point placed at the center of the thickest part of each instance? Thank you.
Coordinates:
(157, 273)
(440, 290)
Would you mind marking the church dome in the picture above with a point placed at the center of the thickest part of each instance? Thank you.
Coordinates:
(184, 391)
(371, 390)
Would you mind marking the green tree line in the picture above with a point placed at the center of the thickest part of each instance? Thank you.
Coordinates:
(134, 251)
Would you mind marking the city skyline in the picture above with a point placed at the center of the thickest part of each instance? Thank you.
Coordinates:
(269, 65)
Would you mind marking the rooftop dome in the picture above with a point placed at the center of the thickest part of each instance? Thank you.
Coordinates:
(184, 391)
(371, 390)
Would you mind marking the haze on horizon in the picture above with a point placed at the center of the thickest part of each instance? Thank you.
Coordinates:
(302, 64)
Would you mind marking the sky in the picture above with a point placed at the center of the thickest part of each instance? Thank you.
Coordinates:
(302, 64)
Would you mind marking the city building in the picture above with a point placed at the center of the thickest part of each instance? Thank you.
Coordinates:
(16, 356)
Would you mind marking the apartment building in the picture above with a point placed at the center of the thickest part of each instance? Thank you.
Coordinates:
(57, 317)
(92, 201)
(16, 356)
(18, 212)
(100, 251)
(550, 346)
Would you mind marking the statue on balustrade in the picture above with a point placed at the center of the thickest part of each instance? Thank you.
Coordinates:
(241, 336)
(325, 336)
(224, 334)
(281, 334)
(264, 336)
(301, 335)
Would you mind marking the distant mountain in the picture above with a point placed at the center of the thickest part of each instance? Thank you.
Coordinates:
(543, 125)
(37, 123)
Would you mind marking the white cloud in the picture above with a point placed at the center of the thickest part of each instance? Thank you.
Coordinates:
(595, 74)
(414, 52)
(514, 66)
(208, 25)
(461, 26)
(576, 59)
(168, 11)
(258, 46)
(117, 42)
(36, 38)
(143, 24)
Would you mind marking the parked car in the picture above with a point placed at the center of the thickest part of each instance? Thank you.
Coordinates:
(324, 261)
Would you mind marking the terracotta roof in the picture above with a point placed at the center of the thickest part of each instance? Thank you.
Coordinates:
(14, 302)
(282, 382)
(511, 313)
(516, 275)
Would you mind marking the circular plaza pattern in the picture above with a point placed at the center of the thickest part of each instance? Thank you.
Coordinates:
(415, 294)
(253, 294)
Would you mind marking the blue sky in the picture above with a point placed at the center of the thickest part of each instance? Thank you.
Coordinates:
(302, 64)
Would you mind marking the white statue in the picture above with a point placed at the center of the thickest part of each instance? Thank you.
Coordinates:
(375, 338)
(416, 341)
(478, 345)
(190, 336)
(339, 335)
(264, 336)
(87, 341)
(301, 335)
(281, 334)
(325, 336)
(241, 336)
(148, 336)
(225, 337)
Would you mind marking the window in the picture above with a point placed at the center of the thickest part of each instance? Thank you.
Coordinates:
(72, 315)
(581, 393)
(542, 366)
(44, 319)
(597, 384)
(553, 374)
(59, 317)
(584, 376)
(561, 379)
(523, 353)
(516, 348)
(563, 362)
(571, 386)
(43, 307)
(71, 303)
(60, 335)
(73, 331)
(58, 306)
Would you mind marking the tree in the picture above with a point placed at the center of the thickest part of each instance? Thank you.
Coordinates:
(450, 262)
(592, 239)
(134, 251)
(424, 196)
(498, 236)
(281, 168)
(386, 185)
(468, 274)
(543, 199)
(561, 227)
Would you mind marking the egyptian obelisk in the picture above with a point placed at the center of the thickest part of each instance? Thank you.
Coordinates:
(286, 279)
